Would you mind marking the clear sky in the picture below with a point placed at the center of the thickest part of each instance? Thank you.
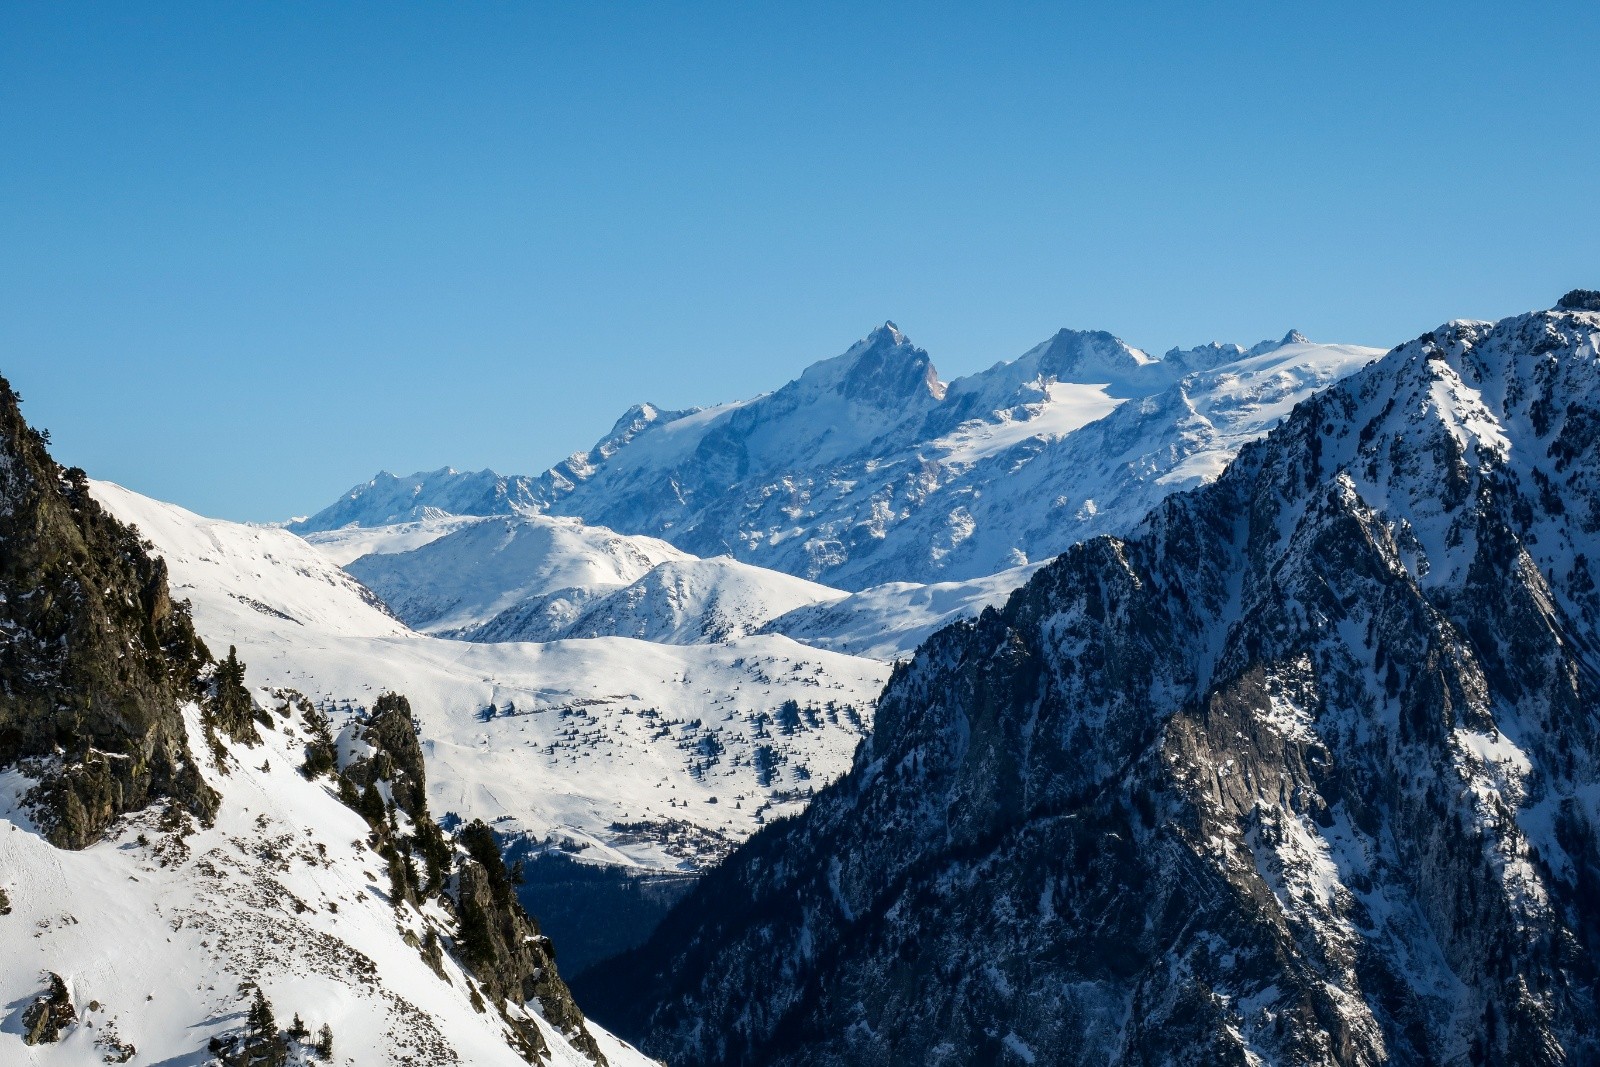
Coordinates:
(252, 253)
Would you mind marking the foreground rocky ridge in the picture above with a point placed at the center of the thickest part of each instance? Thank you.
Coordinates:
(158, 899)
(1306, 770)
(95, 658)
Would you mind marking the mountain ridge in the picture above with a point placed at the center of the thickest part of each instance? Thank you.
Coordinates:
(867, 469)
(1305, 769)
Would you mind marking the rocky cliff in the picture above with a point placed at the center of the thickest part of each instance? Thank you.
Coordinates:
(94, 655)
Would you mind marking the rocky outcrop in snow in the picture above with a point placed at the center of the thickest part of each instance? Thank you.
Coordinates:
(95, 657)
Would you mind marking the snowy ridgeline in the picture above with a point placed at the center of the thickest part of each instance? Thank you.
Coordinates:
(864, 471)
(1305, 769)
(164, 933)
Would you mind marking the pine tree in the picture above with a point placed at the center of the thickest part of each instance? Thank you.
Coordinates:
(230, 707)
(261, 1021)
(372, 807)
(320, 753)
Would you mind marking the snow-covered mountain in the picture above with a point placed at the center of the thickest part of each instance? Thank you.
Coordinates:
(544, 569)
(1306, 769)
(868, 469)
(542, 578)
(179, 882)
(422, 496)
(687, 601)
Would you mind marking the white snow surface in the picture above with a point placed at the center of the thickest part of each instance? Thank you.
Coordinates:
(695, 600)
(475, 572)
(154, 934)
(633, 752)
(889, 621)
(350, 543)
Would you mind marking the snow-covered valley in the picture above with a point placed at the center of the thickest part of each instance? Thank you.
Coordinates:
(630, 751)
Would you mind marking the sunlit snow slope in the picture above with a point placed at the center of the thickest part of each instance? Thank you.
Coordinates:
(157, 932)
(630, 751)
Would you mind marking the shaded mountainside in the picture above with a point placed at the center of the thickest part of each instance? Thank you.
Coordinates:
(1306, 770)
(94, 655)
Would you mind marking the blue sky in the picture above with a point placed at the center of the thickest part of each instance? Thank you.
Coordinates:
(250, 254)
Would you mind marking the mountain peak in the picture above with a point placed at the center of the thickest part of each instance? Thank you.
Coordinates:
(889, 332)
(883, 368)
(1086, 356)
(1580, 300)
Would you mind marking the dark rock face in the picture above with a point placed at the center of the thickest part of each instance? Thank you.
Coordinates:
(95, 656)
(507, 952)
(1580, 300)
(396, 757)
(1305, 771)
(497, 941)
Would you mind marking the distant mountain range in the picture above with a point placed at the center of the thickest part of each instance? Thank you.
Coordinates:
(868, 469)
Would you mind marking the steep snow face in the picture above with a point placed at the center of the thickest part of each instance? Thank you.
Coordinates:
(627, 751)
(156, 933)
(868, 470)
(1305, 769)
(259, 570)
(544, 568)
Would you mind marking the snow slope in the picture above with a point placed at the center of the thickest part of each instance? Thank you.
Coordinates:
(350, 543)
(867, 469)
(543, 567)
(630, 751)
(689, 601)
(156, 933)
(889, 621)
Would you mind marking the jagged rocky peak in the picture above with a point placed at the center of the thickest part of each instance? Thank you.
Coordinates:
(1216, 353)
(883, 369)
(96, 656)
(1302, 771)
(1580, 300)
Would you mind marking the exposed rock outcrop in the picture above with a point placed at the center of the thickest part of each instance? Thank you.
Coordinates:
(46, 1018)
(508, 954)
(95, 657)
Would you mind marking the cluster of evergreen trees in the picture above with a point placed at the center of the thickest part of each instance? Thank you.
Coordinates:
(262, 1044)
